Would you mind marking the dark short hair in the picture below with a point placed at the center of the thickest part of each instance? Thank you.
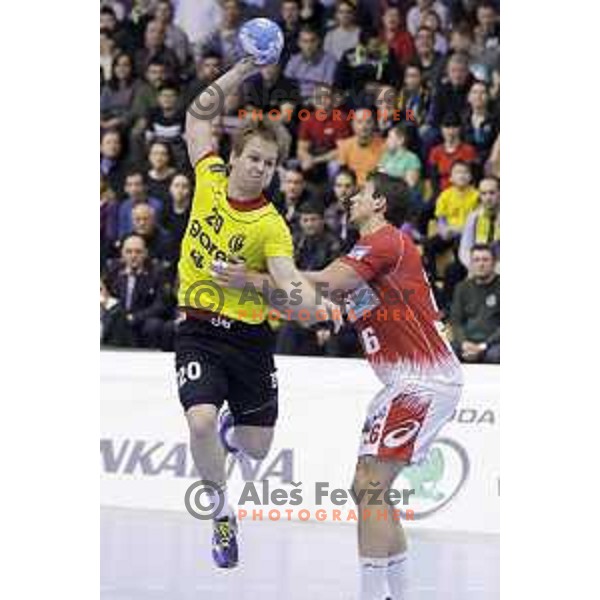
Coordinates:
(308, 28)
(168, 85)
(108, 10)
(134, 173)
(451, 119)
(395, 191)
(348, 172)
(483, 248)
(311, 208)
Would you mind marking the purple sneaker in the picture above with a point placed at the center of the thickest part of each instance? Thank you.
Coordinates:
(224, 543)
(225, 423)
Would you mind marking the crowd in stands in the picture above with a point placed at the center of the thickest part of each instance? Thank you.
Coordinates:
(411, 87)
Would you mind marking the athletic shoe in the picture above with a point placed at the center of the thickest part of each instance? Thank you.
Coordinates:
(225, 423)
(224, 544)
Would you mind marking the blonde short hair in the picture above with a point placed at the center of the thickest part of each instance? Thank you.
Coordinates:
(267, 129)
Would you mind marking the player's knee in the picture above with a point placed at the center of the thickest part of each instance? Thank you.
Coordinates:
(202, 423)
(364, 477)
(256, 452)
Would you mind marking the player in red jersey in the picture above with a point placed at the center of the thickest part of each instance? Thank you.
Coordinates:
(392, 307)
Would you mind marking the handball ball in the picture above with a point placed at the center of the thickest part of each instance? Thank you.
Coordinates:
(262, 39)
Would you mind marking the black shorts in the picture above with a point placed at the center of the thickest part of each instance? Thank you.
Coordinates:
(228, 360)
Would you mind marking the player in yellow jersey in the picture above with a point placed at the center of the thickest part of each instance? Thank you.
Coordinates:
(223, 345)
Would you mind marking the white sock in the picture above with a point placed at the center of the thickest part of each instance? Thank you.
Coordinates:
(226, 510)
(373, 578)
(397, 575)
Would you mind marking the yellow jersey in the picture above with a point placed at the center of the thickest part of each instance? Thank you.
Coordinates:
(220, 228)
(455, 205)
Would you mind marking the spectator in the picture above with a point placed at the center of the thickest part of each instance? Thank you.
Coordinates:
(198, 19)
(314, 248)
(117, 30)
(146, 97)
(475, 314)
(319, 134)
(292, 195)
(314, 245)
(155, 50)
(451, 210)
(312, 13)
(371, 62)
(431, 20)
(108, 51)
(483, 224)
(486, 46)
(116, 99)
(443, 156)
(165, 123)
(269, 88)
(492, 166)
(290, 23)
(175, 38)
(415, 14)
(345, 35)
(109, 219)
(208, 69)
(397, 160)
(363, 150)
(225, 40)
(178, 209)
(161, 170)
(113, 323)
(112, 162)
(311, 65)
(159, 243)
(139, 287)
(385, 105)
(396, 36)
(414, 95)
(430, 61)
(135, 188)
(451, 94)
(336, 214)
(480, 127)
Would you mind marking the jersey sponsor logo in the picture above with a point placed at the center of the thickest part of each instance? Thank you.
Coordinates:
(206, 242)
(236, 243)
(403, 434)
(437, 479)
(359, 252)
(218, 168)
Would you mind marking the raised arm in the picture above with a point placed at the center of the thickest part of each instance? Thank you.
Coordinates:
(210, 104)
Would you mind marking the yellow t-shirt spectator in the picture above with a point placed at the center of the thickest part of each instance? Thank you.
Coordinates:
(454, 205)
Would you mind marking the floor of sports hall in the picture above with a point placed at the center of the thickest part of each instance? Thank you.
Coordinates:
(160, 555)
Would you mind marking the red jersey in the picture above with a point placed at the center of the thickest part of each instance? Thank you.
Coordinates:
(324, 134)
(394, 311)
(443, 161)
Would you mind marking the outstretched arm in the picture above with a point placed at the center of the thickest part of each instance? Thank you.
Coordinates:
(301, 293)
(208, 105)
(337, 276)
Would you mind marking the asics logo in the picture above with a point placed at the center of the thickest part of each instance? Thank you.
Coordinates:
(402, 435)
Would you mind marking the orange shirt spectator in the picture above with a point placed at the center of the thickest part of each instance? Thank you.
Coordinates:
(363, 150)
